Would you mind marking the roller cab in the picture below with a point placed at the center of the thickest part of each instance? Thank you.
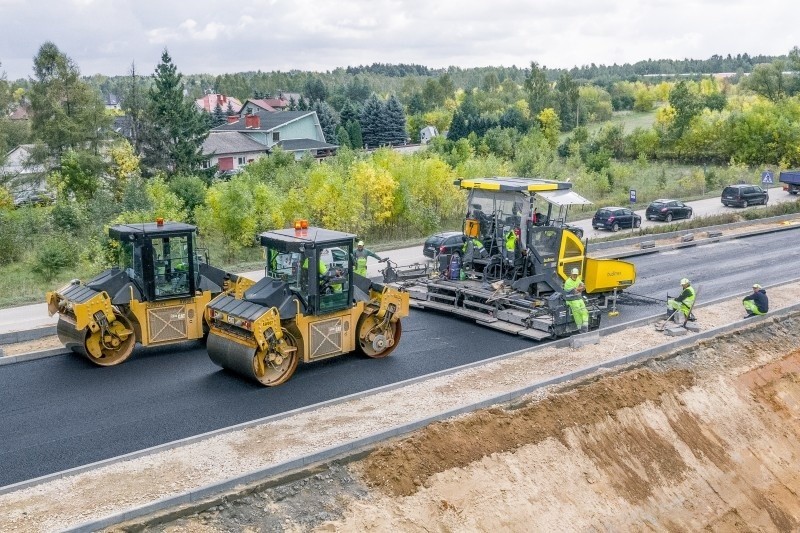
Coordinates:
(309, 306)
(156, 295)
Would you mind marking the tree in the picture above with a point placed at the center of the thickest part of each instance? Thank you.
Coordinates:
(315, 90)
(686, 106)
(67, 113)
(175, 127)
(327, 120)
(396, 121)
(79, 174)
(567, 94)
(343, 138)
(538, 89)
(218, 117)
(372, 122)
(350, 112)
(354, 132)
(768, 81)
(133, 101)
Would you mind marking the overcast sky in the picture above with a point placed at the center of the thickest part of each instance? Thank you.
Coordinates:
(203, 36)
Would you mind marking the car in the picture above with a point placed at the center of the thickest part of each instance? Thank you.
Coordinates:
(668, 210)
(33, 197)
(614, 218)
(742, 195)
(444, 243)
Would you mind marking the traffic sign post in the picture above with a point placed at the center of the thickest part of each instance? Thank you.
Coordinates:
(633, 196)
(767, 178)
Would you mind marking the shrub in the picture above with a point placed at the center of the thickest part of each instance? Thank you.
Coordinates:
(56, 253)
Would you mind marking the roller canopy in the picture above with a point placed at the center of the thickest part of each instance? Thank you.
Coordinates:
(512, 184)
(564, 197)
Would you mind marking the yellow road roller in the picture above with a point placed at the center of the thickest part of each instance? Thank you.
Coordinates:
(155, 296)
(309, 306)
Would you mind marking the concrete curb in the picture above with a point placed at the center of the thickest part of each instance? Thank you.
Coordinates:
(32, 356)
(24, 335)
(359, 445)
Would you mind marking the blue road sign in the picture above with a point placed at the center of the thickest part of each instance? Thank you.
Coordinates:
(767, 178)
(633, 196)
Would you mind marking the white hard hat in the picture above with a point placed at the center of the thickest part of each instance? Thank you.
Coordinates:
(574, 271)
(685, 281)
(756, 286)
(360, 243)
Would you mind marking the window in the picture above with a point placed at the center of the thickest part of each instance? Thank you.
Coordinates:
(276, 136)
(206, 164)
(171, 263)
(241, 160)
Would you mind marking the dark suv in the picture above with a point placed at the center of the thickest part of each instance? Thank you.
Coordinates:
(743, 195)
(444, 243)
(614, 218)
(667, 210)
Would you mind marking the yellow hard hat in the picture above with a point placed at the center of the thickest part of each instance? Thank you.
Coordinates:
(360, 243)
(574, 271)
(685, 281)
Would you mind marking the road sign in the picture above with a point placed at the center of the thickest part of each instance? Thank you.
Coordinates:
(633, 196)
(767, 178)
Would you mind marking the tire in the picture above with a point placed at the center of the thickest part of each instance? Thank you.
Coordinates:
(668, 218)
(637, 223)
(744, 204)
(688, 215)
(615, 227)
(766, 199)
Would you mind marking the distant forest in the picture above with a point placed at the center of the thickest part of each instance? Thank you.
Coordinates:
(385, 79)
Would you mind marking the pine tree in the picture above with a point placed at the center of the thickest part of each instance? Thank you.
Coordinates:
(134, 103)
(302, 106)
(354, 132)
(396, 121)
(218, 117)
(230, 111)
(350, 112)
(292, 104)
(343, 138)
(327, 121)
(175, 128)
(372, 122)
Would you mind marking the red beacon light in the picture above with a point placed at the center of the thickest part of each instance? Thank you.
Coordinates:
(159, 221)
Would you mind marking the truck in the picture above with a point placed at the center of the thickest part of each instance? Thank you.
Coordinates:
(520, 291)
(790, 180)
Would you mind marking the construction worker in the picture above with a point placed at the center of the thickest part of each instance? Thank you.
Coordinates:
(510, 239)
(574, 288)
(756, 303)
(472, 249)
(684, 302)
(321, 267)
(360, 255)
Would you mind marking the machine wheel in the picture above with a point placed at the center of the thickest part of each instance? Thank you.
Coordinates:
(108, 348)
(668, 218)
(494, 271)
(273, 369)
(375, 344)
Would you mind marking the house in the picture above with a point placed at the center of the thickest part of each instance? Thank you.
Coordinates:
(25, 181)
(112, 102)
(22, 112)
(208, 103)
(255, 105)
(250, 137)
(427, 133)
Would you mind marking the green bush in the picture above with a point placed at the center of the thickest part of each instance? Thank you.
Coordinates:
(55, 254)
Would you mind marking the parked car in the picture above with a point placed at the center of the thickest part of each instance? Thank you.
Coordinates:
(668, 210)
(614, 218)
(30, 197)
(446, 242)
(743, 195)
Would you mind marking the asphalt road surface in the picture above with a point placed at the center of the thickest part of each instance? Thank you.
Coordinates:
(61, 412)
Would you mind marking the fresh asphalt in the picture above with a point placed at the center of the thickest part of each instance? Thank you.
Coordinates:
(61, 412)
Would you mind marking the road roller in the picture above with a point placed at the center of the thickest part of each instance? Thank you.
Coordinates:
(155, 296)
(309, 306)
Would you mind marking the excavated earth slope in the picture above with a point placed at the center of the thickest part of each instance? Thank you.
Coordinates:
(705, 438)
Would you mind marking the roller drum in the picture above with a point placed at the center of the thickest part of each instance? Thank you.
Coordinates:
(113, 349)
(73, 338)
(231, 355)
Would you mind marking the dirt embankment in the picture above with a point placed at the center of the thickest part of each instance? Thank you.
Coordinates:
(708, 438)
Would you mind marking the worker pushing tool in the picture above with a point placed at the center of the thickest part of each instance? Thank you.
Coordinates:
(683, 303)
(756, 303)
(574, 288)
(360, 255)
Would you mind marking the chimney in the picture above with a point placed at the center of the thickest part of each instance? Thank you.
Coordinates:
(233, 118)
(252, 122)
